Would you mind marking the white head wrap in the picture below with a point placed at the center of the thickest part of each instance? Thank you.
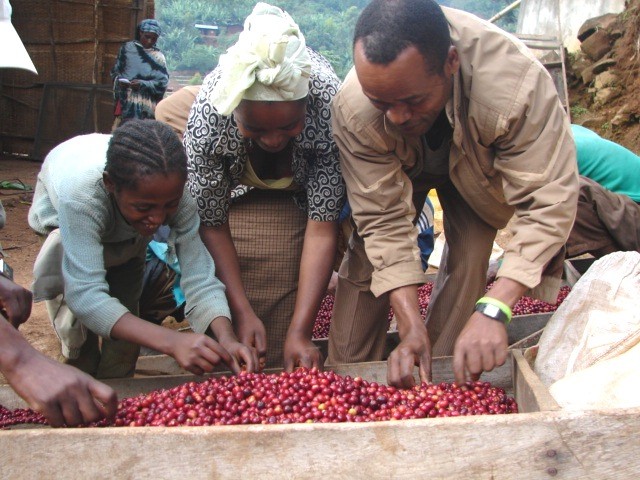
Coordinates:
(269, 62)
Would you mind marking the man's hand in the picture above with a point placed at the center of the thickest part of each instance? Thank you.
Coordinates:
(414, 349)
(481, 346)
(415, 346)
(63, 394)
(250, 331)
(301, 352)
(15, 302)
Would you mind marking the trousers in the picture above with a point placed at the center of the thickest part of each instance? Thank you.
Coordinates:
(606, 222)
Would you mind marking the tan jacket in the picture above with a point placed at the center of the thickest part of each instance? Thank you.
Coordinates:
(512, 153)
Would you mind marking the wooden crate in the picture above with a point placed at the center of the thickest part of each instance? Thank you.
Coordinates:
(521, 327)
(543, 442)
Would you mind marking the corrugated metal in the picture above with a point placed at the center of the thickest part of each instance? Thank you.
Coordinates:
(562, 18)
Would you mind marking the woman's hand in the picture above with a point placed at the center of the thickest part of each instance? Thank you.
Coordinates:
(200, 354)
(242, 355)
(247, 357)
(251, 332)
(300, 351)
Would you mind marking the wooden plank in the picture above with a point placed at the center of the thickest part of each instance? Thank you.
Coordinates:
(530, 393)
(540, 444)
(527, 342)
(560, 444)
(522, 326)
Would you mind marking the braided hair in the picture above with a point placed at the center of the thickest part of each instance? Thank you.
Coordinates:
(139, 148)
(387, 27)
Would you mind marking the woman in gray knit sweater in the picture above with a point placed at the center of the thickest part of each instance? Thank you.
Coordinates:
(99, 218)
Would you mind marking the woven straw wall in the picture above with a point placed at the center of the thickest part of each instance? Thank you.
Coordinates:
(73, 44)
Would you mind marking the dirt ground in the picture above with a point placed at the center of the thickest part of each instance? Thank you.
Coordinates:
(21, 244)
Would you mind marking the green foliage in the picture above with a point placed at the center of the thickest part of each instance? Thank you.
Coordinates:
(327, 25)
(196, 79)
(578, 111)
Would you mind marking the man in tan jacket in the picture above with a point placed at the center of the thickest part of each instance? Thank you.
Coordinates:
(441, 99)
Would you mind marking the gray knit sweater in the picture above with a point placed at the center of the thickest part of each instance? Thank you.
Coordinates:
(71, 195)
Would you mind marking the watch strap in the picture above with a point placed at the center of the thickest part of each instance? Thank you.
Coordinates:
(500, 311)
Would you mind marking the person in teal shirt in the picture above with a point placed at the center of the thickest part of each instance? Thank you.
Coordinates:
(608, 216)
(608, 163)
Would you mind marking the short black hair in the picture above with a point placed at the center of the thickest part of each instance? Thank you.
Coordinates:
(139, 148)
(387, 27)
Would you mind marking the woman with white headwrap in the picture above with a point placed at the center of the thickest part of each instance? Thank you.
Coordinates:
(265, 172)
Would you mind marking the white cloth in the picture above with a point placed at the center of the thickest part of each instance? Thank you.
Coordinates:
(13, 55)
(269, 62)
(48, 285)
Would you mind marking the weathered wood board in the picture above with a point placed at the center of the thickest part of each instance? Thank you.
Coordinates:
(538, 444)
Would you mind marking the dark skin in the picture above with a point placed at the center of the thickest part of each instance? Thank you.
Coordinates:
(413, 99)
(15, 302)
(146, 207)
(271, 126)
(63, 394)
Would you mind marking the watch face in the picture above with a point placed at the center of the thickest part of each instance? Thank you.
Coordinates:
(491, 311)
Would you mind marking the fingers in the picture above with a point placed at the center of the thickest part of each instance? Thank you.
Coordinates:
(214, 353)
(81, 409)
(425, 368)
(196, 370)
(105, 399)
(261, 344)
(501, 356)
(310, 356)
(469, 364)
(289, 363)
(53, 414)
(87, 403)
(400, 370)
(17, 310)
(459, 365)
(200, 354)
(249, 357)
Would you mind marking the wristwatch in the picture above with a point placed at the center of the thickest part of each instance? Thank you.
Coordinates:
(5, 270)
(492, 311)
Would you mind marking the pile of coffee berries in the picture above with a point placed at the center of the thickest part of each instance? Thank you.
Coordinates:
(528, 305)
(323, 319)
(525, 306)
(19, 416)
(304, 396)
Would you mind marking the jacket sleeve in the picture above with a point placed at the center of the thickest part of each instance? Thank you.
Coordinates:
(535, 154)
(86, 287)
(379, 191)
(204, 293)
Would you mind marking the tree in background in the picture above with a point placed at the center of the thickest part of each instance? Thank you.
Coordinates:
(327, 25)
